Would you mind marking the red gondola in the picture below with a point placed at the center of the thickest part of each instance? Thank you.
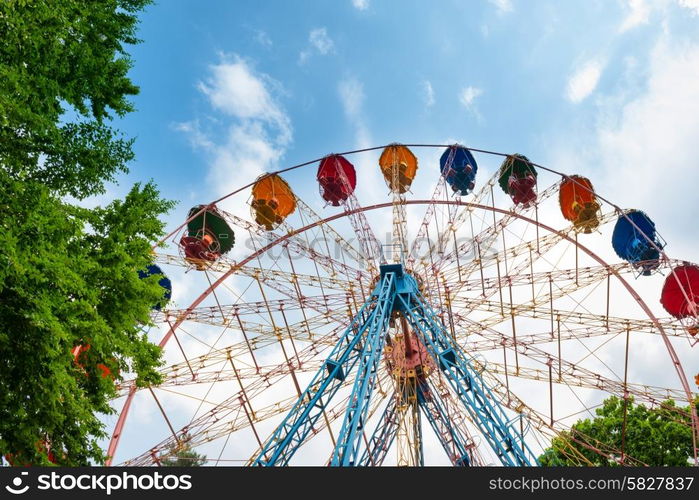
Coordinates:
(336, 178)
(680, 295)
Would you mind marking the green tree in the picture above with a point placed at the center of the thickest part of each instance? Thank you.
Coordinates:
(656, 436)
(183, 456)
(68, 274)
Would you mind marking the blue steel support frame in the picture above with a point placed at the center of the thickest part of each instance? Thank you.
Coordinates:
(418, 437)
(382, 437)
(362, 342)
(350, 438)
(301, 419)
(468, 385)
(455, 443)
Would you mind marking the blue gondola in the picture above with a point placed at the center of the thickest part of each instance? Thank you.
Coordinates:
(630, 243)
(163, 282)
(458, 166)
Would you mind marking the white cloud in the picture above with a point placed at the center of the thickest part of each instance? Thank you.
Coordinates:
(654, 137)
(428, 93)
(644, 148)
(503, 6)
(360, 4)
(468, 96)
(351, 93)
(248, 151)
(638, 13)
(197, 138)
(584, 81)
(255, 130)
(693, 5)
(236, 90)
(263, 39)
(321, 41)
(318, 40)
(304, 55)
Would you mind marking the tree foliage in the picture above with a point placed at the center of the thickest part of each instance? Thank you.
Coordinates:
(69, 274)
(183, 456)
(659, 436)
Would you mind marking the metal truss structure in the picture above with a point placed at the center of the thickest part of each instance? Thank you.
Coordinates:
(474, 336)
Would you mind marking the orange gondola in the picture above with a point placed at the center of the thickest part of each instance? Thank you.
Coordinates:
(272, 201)
(399, 167)
(79, 353)
(579, 204)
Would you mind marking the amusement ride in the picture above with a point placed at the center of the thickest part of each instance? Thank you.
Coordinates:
(500, 310)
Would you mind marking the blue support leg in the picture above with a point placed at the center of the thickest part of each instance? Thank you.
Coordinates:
(454, 440)
(362, 344)
(292, 432)
(467, 384)
(349, 440)
(382, 437)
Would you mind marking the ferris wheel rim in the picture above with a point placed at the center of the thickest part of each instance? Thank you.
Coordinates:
(662, 255)
(620, 211)
(123, 414)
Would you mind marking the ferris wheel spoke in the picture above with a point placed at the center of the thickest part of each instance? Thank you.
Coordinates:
(301, 330)
(593, 325)
(332, 414)
(330, 234)
(566, 369)
(452, 287)
(321, 303)
(492, 231)
(374, 404)
(215, 423)
(193, 371)
(565, 281)
(298, 244)
(583, 379)
(310, 280)
(565, 333)
(179, 378)
(455, 219)
(450, 423)
(440, 191)
(370, 244)
(257, 336)
(295, 286)
(580, 276)
(505, 397)
(383, 436)
(483, 240)
(223, 264)
(532, 249)
(399, 233)
(551, 240)
(546, 426)
(207, 430)
(553, 285)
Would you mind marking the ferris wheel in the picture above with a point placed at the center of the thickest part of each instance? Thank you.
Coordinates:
(505, 301)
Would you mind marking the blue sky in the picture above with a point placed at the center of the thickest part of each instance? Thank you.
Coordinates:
(549, 79)
(606, 89)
